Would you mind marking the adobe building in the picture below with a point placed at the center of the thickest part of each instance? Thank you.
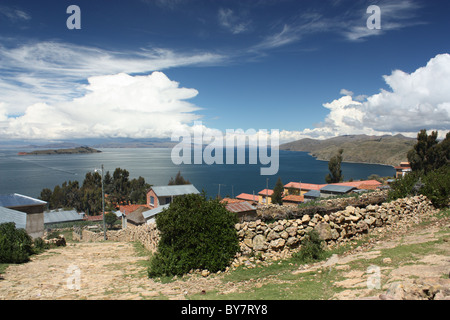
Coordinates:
(18, 205)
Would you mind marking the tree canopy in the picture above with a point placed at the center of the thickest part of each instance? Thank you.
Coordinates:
(88, 198)
(428, 154)
(334, 165)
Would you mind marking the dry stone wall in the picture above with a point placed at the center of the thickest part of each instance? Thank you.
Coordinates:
(146, 234)
(280, 238)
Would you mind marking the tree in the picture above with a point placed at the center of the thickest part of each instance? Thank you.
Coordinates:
(195, 233)
(334, 165)
(179, 180)
(46, 195)
(277, 195)
(423, 155)
(138, 191)
(120, 186)
(110, 219)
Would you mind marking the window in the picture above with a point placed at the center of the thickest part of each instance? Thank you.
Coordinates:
(152, 200)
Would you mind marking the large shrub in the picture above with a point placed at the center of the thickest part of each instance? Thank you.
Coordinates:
(435, 185)
(195, 233)
(15, 244)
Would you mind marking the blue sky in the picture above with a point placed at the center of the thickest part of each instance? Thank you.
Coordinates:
(145, 68)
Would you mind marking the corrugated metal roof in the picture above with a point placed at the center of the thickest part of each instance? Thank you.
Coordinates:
(167, 191)
(312, 194)
(240, 207)
(18, 217)
(62, 216)
(17, 200)
(151, 213)
(337, 188)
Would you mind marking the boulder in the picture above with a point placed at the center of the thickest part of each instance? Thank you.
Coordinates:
(277, 244)
(272, 235)
(306, 218)
(324, 231)
(259, 243)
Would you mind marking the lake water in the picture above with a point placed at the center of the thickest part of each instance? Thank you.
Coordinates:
(28, 175)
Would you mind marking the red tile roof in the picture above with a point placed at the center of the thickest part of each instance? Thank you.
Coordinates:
(247, 197)
(360, 184)
(229, 200)
(304, 186)
(266, 192)
(127, 209)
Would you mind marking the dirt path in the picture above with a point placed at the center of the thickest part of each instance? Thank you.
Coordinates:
(93, 271)
(114, 270)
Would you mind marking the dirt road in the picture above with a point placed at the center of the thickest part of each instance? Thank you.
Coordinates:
(115, 270)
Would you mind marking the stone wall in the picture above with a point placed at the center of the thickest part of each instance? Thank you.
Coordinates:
(280, 238)
(146, 234)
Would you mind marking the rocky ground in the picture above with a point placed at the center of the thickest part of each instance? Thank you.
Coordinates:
(412, 263)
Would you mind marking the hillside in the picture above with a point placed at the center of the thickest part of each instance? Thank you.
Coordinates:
(389, 150)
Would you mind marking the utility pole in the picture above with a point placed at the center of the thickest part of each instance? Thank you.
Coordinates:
(267, 191)
(103, 208)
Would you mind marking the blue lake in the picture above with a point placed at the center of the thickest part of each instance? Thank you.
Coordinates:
(28, 175)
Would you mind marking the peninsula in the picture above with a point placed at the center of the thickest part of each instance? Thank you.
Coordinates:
(387, 150)
(78, 150)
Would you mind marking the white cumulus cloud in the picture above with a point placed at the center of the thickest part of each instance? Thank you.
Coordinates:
(114, 106)
(415, 101)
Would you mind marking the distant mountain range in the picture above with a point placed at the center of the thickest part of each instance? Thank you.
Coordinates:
(388, 150)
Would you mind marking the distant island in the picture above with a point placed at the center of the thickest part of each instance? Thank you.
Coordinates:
(387, 150)
(78, 150)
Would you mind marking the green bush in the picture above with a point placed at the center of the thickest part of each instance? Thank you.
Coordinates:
(435, 185)
(195, 233)
(404, 187)
(312, 248)
(15, 244)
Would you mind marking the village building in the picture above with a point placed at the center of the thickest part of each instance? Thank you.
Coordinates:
(250, 198)
(265, 196)
(335, 190)
(311, 195)
(62, 216)
(293, 200)
(403, 169)
(18, 205)
(299, 188)
(162, 195)
(244, 211)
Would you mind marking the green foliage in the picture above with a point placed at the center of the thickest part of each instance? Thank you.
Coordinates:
(110, 219)
(435, 185)
(334, 165)
(428, 155)
(312, 248)
(88, 198)
(179, 180)
(15, 244)
(403, 187)
(195, 233)
(277, 195)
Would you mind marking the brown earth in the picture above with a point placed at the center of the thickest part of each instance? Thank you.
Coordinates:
(115, 270)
